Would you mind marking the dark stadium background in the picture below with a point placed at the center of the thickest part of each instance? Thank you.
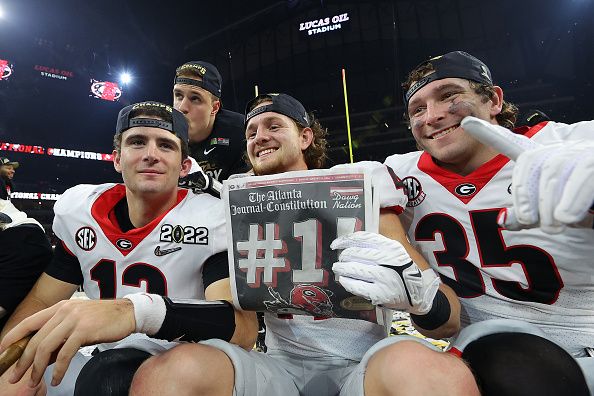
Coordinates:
(540, 51)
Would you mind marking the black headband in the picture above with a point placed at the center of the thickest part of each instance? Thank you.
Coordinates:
(281, 103)
(178, 126)
(457, 64)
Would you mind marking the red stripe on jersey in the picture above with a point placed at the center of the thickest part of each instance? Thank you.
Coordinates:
(104, 205)
(450, 180)
(530, 131)
(479, 178)
(455, 352)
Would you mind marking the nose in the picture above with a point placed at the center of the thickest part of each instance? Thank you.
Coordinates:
(182, 105)
(151, 152)
(435, 113)
(261, 135)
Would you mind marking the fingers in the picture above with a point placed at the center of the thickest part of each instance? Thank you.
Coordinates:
(12, 354)
(359, 288)
(578, 193)
(27, 326)
(363, 239)
(499, 138)
(556, 170)
(61, 339)
(358, 271)
(526, 184)
(67, 352)
(35, 354)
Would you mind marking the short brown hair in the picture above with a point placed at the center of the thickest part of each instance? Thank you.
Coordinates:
(158, 112)
(509, 111)
(315, 155)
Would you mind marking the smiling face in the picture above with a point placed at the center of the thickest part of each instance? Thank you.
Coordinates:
(199, 107)
(7, 171)
(150, 161)
(275, 144)
(435, 113)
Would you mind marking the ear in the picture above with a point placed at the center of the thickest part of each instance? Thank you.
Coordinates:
(496, 101)
(116, 161)
(185, 167)
(306, 138)
(216, 106)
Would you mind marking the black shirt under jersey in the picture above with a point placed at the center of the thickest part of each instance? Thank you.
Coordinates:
(66, 267)
(222, 153)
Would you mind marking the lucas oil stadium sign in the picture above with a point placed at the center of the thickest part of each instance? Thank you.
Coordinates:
(323, 25)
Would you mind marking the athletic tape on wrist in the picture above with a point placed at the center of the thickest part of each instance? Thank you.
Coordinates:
(196, 320)
(437, 316)
(149, 312)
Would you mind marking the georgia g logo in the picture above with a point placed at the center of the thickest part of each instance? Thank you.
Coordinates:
(465, 189)
(85, 238)
(123, 244)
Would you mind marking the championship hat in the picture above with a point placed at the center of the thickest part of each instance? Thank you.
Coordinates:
(457, 64)
(281, 103)
(6, 161)
(178, 124)
(211, 78)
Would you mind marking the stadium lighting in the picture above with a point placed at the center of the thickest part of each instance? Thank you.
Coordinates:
(125, 78)
(1, 12)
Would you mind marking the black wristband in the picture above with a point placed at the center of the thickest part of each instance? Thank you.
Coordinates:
(196, 320)
(437, 316)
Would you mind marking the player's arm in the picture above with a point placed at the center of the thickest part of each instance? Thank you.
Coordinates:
(195, 320)
(551, 184)
(58, 283)
(246, 323)
(391, 227)
(387, 270)
(46, 292)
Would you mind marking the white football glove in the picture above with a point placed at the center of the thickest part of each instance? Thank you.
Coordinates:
(199, 181)
(551, 185)
(379, 269)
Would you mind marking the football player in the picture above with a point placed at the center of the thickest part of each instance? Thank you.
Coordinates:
(215, 133)
(315, 356)
(457, 187)
(145, 235)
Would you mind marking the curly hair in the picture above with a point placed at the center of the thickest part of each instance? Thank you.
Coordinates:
(509, 111)
(315, 155)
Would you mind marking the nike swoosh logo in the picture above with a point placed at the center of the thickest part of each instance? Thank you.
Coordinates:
(206, 152)
(159, 252)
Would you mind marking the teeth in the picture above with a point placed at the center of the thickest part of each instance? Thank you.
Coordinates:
(267, 151)
(444, 132)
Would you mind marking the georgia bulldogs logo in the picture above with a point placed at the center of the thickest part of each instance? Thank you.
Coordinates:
(465, 189)
(85, 238)
(303, 299)
(124, 244)
(105, 90)
(414, 191)
(5, 69)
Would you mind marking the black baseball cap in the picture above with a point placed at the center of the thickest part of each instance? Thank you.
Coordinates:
(178, 126)
(211, 78)
(6, 161)
(458, 64)
(281, 103)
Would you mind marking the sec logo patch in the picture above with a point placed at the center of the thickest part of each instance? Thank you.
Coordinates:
(85, 238)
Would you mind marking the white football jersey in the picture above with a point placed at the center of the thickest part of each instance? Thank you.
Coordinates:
(164, 257)
(547, 280)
